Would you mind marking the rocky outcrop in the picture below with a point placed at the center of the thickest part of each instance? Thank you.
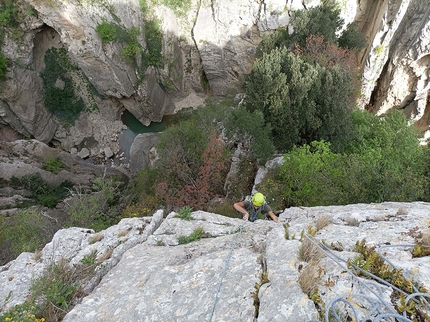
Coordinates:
(396, 62)
(29, 157)
(211, 47)
(238, 271)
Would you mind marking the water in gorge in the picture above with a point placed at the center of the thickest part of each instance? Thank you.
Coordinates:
(135, 127)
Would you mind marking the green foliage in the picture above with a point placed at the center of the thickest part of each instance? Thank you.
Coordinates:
(154, 44)
(196, 235)
(25, 231)
(323, 20)
(45, 195)
(180, 7)
(420, 250)
(93, 210)
(8, 13)
(307, 175)
(3, 65)
(379, 49)
(62, 100)
(352, 38)
(54, 165)
(130, 52)
(369, 260)
(292, 95)
(107, 31)
(89, 259)
(25, 312)
(185, 213)
(390, 149)
(56, 289)
(251, 130)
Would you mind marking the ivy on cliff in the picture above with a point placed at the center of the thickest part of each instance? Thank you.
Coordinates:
(60, 100)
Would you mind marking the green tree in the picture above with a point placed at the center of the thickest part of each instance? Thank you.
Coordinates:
(392, 146)
(352, 38)
(302, 102)
(323, 20)
(250, 129)
(309, 176)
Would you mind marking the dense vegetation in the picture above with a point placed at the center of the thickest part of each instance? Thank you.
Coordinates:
(300, 100)
(300, 103)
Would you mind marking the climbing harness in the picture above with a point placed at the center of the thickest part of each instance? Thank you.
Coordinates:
(238, 229)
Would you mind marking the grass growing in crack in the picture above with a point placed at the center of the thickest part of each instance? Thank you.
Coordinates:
(309, 252)
(369, 260)
(287, 232)
(322, 222)
(308, 278)
(185, 213)
(264, 278)
(195, 236)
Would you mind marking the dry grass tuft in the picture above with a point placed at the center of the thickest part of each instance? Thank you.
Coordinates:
(379, 218)
(37, 255)
(425, 240)
(308, 278)
(122, 233)
(351, 221)
(322, 222)
(309, 252)
(105, 256)
(401, 211)
(96, 238)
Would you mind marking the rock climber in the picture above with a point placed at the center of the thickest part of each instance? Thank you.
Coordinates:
(252, 209)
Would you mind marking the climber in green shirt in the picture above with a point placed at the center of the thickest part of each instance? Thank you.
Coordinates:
(251, 209)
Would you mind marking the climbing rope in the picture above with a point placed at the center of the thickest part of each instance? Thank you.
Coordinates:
(238, 229)
(380, 309)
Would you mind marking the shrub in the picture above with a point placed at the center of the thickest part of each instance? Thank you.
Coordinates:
(154, 44)
(323, 20)
(8, 13)
(45, 195)
(25, 231)
(25, 312)
(93, 210)
(62, 102)
(390, 149)
(194, 236)
(185, 213)
(107, 31)
(180, 7)
(54, 165)
(253, 133)
(308, 176)
(193, 180)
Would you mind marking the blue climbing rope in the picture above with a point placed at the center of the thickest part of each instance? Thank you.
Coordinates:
(239, 229)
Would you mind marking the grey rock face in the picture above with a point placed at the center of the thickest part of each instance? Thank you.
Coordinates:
(72, 245)
(160, 280)
(141, 154)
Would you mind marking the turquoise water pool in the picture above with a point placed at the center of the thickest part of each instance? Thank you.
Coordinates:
(135, 127)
